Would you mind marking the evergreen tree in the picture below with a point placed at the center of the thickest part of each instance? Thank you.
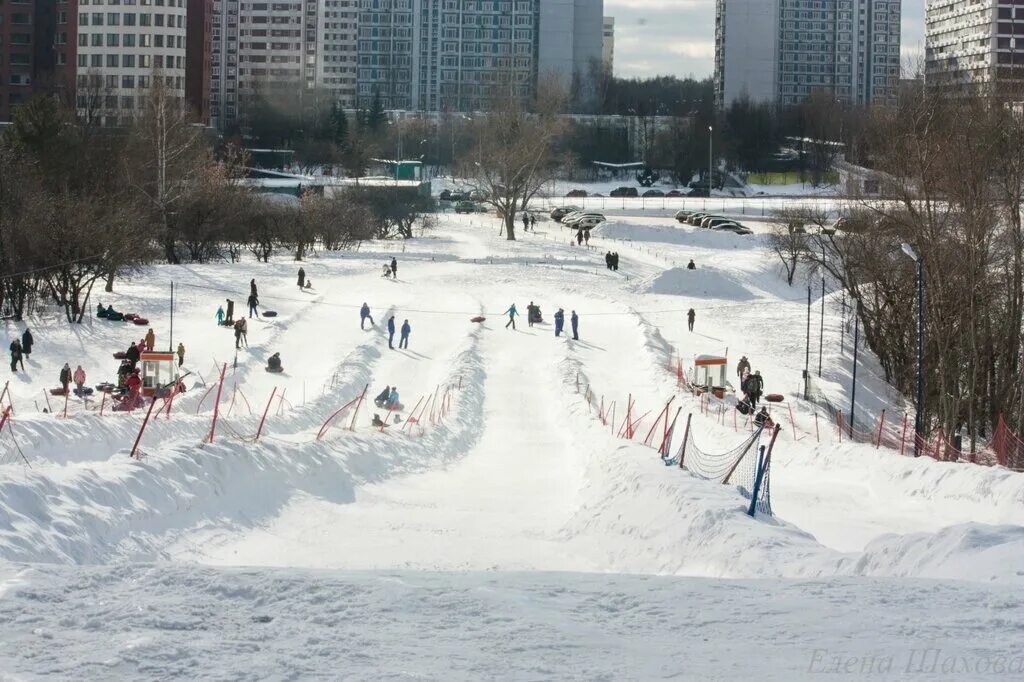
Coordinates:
(339, 125)
(375, 116)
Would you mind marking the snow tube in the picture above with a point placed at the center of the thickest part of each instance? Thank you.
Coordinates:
(83, 392)
(478, 318)
(274, 371)
(774, 397)
(56, 391)
(397, 407)
(130, 316)
(120, 355)
(269, 313)
(141, 321)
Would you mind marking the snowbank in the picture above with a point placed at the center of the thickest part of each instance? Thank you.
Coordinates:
(702, 283)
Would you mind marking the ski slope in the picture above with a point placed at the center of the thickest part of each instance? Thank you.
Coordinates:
(513, 537)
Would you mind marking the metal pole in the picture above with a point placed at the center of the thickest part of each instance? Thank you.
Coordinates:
(842, 327)
(170, 344)
(807, 356)
(711, 157)
(918, 423)
(853, 391)
(821, 333)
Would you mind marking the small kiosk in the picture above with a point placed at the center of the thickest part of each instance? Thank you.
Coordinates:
(159, 373)
(709, 374)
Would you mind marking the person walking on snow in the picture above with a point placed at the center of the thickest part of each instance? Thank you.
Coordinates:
(150, 339)
(404, 341)
(253, 302)
(16, 356)
(574, 321)
(79, 378)
(608, 260)
(579, 237)
(391, 332)
(394, 268)
(691, 265)
(743, 367)
(364, 315)
(691, 315)
(526, 222)
(753, 387)
(252, 288)
(220, 315)
(302, 278)
(559, 322)
(238, 333)
(533, 223)
(181, 353)
(511, 312)
(245, 332)
(65, 377)
(26, 342)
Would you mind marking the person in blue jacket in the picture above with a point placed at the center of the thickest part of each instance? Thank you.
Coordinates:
(559, 322)
(391, 332)
(511, 312)
(364, 314)
(393, 398)
(404, 341)
(574, 320)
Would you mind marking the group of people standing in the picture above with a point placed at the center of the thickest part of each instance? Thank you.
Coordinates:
(752, 385)
(611, 260)
(21, 348)
(533, 317)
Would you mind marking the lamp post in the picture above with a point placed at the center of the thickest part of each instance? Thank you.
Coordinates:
(711, 162)
(919, 407)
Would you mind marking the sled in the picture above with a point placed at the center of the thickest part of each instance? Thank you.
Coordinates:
(114, 317)
(269, 313)
(743, 407)
(478, 318)
(274, 371)
(82, 392)
(106, 387)
(141, 321)
(774, 398)
(120, 355)
(56, 391)
(130, 316)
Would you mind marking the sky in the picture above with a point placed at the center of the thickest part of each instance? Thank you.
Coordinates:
(677, 37)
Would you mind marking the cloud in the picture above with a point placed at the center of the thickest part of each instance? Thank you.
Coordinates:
(676, 37)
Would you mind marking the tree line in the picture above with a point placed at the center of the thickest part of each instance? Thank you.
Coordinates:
(953, 172)
(81, 204)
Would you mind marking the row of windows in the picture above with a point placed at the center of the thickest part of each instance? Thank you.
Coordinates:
(128, 19)
(130, 40)
(130, 61)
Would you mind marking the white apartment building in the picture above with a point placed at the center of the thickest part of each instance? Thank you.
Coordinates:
(608, 45)
(122, 46)
(337, 66)
(781, 50)
(975, 46)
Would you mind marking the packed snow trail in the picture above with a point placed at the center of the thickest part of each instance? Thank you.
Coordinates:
(500, 507)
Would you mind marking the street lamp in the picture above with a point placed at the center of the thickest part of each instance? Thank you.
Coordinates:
(711, 141)
(918, 425)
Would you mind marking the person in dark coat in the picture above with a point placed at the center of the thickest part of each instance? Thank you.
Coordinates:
(559, 322)
(132, 354)
(302, 278)
(608, 260)
(579, 237)
(404, 341)
(574, 321)
(382, 399)
(743, 367)
(691, 265)
(253, 301)
(16, 356)
(364, 315)
(26, 342)
(274, 363)
(252, 288)
(691, 315)
(754, 387)
(615, 261)
(394, 268)
(65, 377)
(391, 332)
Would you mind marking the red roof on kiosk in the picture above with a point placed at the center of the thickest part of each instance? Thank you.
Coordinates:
(155, 355)
(711, 360)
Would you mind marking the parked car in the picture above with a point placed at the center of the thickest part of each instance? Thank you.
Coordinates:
(681, 216)
(711, 221)
(469, 207)
(446, 195)
(674, 193)
(476, 195)
(458, 196)
(652, 193)
(574, 218)
(590, 221)
(735, 228)
(699, 192)
(695, 218)
(576, 194)
(624, 192)
(562, 211)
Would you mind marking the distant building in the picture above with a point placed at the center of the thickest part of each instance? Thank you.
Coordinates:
(781, 50)
(608, 51)
(975, 47)
(571, 38)
(198, 50)
(121, 49)
(37, 51)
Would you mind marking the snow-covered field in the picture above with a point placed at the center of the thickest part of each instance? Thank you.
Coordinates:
(514, 537)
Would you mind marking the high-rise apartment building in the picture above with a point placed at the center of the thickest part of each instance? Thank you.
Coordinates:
(608, 44)
(975, 47)
(570, 43)
(781, 50)
(198, 49)
(37, 51)
(336, 67)
(122, 46)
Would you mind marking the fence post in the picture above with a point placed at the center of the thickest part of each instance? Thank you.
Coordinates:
(762, 468)
(265, 410)
(46, 397)
(817, 433)
(216, 405)
(757, 481)
(666, 440)
(881, 423)
(103, 401)
(355, 412)
(412, 414)
(903, 436)
(143, 427)
(686, 438)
